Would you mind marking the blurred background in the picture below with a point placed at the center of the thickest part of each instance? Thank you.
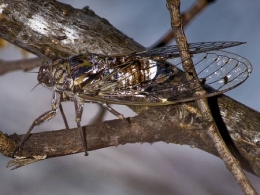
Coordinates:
(154, 169)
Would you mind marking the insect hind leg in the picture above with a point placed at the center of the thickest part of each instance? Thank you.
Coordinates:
(112, 110)
(79, 106)
(64, 117)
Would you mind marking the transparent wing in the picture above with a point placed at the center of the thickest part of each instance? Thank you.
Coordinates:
(194, 48)
(166, 84)
(217, 71)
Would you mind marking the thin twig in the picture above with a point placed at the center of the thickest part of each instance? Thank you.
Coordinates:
(186, 18)
(212, 130)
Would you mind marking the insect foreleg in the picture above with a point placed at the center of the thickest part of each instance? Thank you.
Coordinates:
(79, 106)
(41, 119)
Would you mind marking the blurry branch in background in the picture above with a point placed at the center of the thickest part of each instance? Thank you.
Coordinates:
(24, 64)
(178, 124)
(186, 17)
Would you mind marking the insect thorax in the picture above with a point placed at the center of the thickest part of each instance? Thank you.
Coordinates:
(56, 76)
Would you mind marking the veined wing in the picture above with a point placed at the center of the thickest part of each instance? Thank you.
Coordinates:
(165, 85)
(91, 65)
(194, 48)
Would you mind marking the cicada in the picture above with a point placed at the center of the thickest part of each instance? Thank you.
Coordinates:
(145, 78)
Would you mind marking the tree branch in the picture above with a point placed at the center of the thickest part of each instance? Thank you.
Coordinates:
(24, 64)
(52, 29)
(142, 128)
(66, 31)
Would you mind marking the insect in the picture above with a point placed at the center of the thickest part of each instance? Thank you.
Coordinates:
(140, 78)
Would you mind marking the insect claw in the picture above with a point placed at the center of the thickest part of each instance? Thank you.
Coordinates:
(121, 116)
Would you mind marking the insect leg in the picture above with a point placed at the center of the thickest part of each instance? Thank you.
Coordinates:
(64, 117)
(79, 105)
(41, 119)
(112, 110)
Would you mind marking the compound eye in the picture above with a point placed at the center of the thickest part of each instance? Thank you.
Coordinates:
(48, 80)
